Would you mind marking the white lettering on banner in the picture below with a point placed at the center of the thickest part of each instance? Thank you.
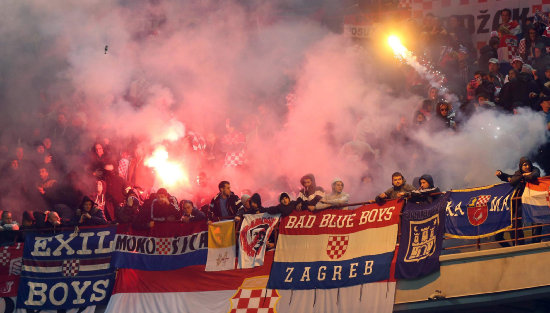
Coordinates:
(304, 275)
(506, 203)
(350, 220)
(148, 245)
(289, 271)
(329, 220)
(40, 290)
(101, 249)
(64, 244)
(368, 267)
(291, 222)
(102, 292)
(376, 215)
(352, 270)
(65, 288)
(36, 289)
(301, 221)
(63, 240)
(79, 291)
(321, 273)
(40, 245)
(85, 250)
(496, 204)
(457, 211)
(337, 271)
(341, 221)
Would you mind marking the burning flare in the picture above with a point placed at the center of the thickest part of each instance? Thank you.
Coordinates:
(398, 49)
(168, 172)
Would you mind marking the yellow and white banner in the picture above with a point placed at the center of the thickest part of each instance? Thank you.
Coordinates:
(221, 246)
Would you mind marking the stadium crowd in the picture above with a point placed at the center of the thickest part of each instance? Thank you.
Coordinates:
(512, 71)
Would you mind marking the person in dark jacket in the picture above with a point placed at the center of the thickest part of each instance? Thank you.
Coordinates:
(88, 214)
(256, 204)
(225, 204)
(426, 192)
(399, 188)
(190, 213)
(285, 206)
(515, 93)
(541, 60)
(310, 194)
(129, 211)
(488, 52)
(165, 207)
(526, 173)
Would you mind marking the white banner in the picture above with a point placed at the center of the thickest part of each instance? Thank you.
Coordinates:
(253, 237)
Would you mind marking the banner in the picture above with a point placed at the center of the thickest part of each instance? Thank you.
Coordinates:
(192, 289)
(221, 246)
(10, 269)
(253, 237)
(479, 212)
(536, 202)
(167, 246)
(67, 270)
(336, 248)
(480, 17)
(422, 229)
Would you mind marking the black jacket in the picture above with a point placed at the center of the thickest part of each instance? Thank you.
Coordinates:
(96, 215)
(518, 179)
(232, 204)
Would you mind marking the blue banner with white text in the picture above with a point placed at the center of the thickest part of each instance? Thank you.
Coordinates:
(69, 269)
(167, 246)
(479, 212)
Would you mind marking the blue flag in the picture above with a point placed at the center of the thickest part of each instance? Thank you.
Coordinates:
(479, 212)
(422, 230)
(67, 269)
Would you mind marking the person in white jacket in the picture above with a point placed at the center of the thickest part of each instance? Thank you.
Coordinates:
(336, 198)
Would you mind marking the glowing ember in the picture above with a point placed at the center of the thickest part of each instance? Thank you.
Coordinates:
(169, 172)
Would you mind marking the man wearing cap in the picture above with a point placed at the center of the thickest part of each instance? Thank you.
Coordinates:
(517, 63)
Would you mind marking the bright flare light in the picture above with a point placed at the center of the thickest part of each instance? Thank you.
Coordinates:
(398, 48)
(435, 78)
(169, 172)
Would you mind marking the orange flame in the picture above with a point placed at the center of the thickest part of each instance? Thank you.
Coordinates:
(170, 173)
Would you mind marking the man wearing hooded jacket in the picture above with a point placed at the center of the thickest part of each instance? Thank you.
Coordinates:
(526, 173)
(310, 195)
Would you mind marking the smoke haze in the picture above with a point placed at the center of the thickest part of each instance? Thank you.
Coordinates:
(307, 98)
